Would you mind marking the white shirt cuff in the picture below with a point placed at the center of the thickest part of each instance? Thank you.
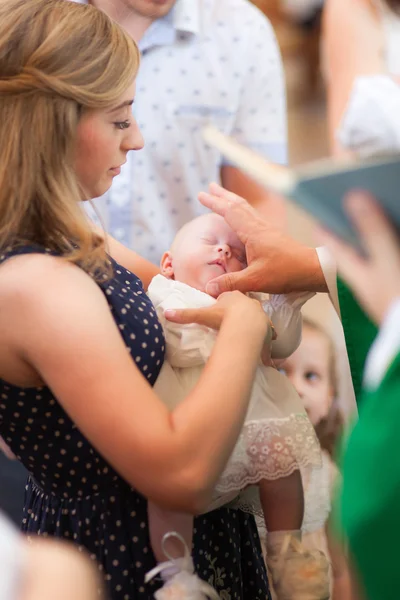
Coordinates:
(328, 266)
(385, 348)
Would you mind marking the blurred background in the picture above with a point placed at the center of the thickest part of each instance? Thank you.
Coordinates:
(297, 24)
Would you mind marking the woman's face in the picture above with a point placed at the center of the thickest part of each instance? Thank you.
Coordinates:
(104, 138)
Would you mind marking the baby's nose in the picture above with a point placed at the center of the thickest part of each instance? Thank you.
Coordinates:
(225, 249)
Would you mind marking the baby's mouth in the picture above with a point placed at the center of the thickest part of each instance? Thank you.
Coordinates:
(219, 262)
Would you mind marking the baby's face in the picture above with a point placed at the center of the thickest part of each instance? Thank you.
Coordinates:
(203, 250)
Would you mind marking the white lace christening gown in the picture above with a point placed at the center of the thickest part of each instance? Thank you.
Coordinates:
(277, 437)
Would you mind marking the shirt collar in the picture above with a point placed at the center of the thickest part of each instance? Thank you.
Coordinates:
(183, 20)
(186, 16)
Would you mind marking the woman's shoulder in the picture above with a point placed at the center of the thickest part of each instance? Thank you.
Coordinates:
(36, 275)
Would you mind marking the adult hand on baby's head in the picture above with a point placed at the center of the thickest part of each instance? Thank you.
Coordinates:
(375, 280)
(230, 304)
(276, 263)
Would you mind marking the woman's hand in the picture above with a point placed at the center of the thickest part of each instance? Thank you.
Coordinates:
(276, 263)
(375, 280)
(229, 304)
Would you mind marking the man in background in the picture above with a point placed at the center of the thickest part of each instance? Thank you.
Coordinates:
(202, 62)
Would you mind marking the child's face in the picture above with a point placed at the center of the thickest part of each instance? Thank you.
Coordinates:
(203, 250)
(309, 370)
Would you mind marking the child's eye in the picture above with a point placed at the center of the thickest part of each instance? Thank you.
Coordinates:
(311, 376)
(122, 124)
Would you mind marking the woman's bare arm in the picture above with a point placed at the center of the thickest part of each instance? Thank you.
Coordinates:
(353, 46)
(56, 322)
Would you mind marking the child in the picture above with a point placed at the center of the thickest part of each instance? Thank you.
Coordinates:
(312, 371)
(277, 437)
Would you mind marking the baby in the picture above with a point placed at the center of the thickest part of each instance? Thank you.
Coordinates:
(277, 437)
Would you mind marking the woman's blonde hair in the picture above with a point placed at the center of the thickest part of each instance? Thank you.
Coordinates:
(57, 59)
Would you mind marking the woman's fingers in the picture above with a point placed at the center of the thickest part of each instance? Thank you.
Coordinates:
(184, 315)
(211, 317)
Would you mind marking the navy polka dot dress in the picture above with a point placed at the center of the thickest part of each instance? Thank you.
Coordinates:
(73, 493)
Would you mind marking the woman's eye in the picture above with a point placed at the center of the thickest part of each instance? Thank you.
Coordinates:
(122, 124)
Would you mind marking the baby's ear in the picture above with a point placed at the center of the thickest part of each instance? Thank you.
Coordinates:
(166, 265)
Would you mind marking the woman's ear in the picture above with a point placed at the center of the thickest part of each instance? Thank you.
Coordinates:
(166, 265)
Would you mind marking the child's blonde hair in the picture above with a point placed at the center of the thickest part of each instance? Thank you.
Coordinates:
(330, 428)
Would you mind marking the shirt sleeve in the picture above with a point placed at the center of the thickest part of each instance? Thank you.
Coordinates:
(384, 349)
(284, 310)
(328, 266)
(261, 121)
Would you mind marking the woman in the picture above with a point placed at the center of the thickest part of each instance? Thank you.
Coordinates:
(80, 344)
(362, 69)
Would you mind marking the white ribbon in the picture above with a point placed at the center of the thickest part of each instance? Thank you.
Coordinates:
(182, 565)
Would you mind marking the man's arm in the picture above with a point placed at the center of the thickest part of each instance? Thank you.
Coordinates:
(266, 203)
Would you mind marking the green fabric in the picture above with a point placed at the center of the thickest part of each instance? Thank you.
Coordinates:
(359, 333)
(368, 510)
(370, 504)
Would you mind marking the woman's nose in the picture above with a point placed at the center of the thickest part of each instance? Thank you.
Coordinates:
(134, 140)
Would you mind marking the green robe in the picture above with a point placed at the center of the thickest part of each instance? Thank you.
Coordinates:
(370, 500)
(359, 333)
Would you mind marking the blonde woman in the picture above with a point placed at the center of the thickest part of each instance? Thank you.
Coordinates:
(80, 344)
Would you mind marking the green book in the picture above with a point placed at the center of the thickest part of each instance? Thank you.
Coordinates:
(319, 187)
